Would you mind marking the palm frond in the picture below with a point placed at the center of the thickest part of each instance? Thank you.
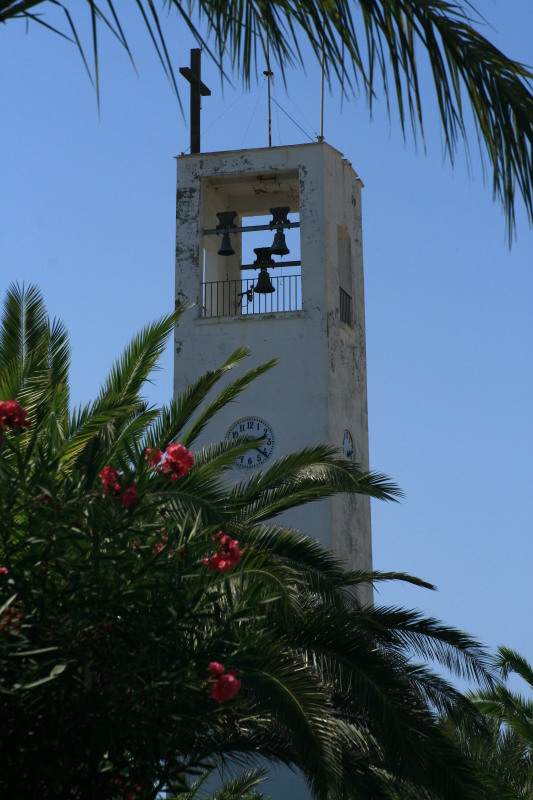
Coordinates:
(227, 395)
(34, 355)
(509, 661)
(277, 682)
(370, 42)
(24, 320)
(426, 637)
(242, 784)
(129, 373)
(98, 427)
(313, 466)
(174, 417)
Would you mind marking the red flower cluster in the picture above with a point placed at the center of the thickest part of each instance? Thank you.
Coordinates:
(109, 478)
(129, 496)
(4, 570)
(226, 684)
(12, 416)
(153, 456)
(159, 546)
(111, 485)
(227, 555)
(177, 460)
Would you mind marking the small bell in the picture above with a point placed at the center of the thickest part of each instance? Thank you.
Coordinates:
(279, 246)
(264, 284)
(225, 248)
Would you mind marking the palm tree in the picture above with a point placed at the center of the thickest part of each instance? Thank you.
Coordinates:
(365, 43)
(111, 615)
(503, 746)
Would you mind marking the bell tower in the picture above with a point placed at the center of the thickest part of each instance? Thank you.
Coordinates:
(269, 249)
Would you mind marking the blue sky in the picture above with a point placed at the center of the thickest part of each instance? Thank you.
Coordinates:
(87, 213)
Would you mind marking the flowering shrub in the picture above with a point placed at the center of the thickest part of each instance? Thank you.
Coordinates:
(226, 684)
(107, 622)
(226, 556)
(103, 622)
(12, 415)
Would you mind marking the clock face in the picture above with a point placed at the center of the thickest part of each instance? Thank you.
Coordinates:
(348, 449)
(258, 428)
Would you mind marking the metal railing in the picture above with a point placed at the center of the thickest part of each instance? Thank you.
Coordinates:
(238, 298)
(345, 307)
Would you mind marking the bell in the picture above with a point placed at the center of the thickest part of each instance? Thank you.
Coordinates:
(264, 284)
(225, 248)
(279, 246)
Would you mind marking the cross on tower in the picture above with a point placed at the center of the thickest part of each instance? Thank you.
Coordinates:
(193, 75)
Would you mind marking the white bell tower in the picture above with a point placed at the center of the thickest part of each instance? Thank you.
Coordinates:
(301, 300)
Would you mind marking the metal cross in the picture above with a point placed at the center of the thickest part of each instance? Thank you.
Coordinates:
(194, 75)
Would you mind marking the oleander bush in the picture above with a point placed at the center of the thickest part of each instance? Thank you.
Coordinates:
(157, 620)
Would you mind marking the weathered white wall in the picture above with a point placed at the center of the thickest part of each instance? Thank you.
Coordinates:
(347, 398)
(319, 387)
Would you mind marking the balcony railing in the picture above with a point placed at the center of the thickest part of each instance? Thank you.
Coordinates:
(345, 307)
(238, 298)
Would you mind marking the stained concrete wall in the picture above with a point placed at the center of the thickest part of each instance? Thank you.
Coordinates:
(318, 388)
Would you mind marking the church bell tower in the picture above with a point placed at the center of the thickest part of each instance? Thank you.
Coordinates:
(269, 249)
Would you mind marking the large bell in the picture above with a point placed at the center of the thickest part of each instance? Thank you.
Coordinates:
(264, 284)
(225, 248)
(279, 245)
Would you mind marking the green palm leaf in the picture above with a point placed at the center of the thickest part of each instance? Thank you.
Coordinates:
(369, 43)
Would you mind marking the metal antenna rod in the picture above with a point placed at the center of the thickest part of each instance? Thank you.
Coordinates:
(269, 75)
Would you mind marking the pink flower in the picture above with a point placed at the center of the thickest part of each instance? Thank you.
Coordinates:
(225, 687)
(109, 478)
(129, 496)
(159, 546)
(12, 415)
(215, 669)
(111, 485)
(153, 456)
(4, 570)
(178, 461)
(135, 545)
(227, 555)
